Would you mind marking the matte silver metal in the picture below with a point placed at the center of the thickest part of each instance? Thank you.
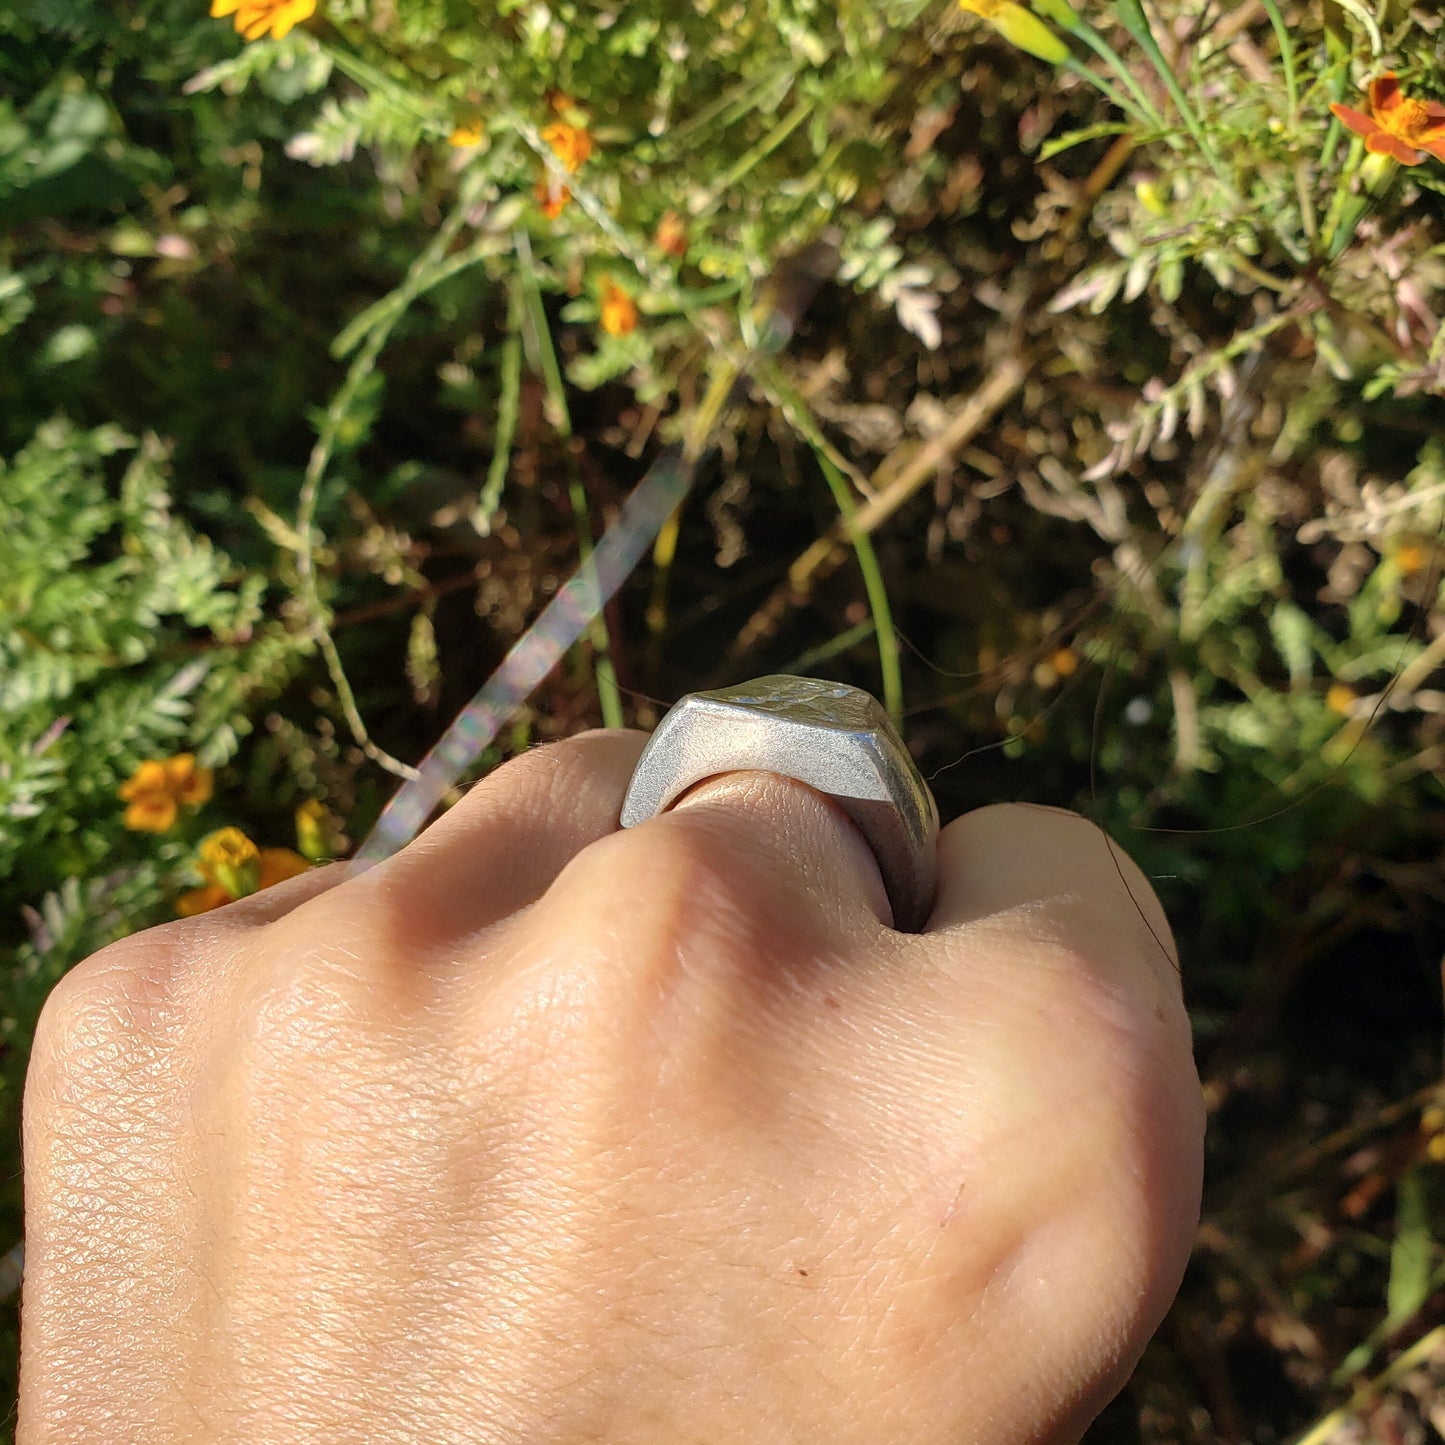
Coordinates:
(835, 738)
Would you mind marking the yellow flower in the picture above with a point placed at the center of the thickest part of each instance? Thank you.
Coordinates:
(571, 144)
(466, 133)
(1020, 28)
(157, 788)
(1432, 1126)
(234, 867)
(1065, 661)
(619, 311)
(318, 832)
(255, 18)
(1340, 698)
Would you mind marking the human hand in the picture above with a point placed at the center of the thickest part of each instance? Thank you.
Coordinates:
(546, 1132)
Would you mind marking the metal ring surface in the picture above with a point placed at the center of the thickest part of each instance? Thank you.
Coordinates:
(835, 738)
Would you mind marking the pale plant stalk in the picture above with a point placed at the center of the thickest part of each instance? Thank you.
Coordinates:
(605, 674)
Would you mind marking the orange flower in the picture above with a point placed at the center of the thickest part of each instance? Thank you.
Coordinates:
(552, 196)
(619, 311)
(157, 788)
(255, 18)
(571, 144)
(1412, 558)
(1398, 126)
(671, 235)
(233, 867)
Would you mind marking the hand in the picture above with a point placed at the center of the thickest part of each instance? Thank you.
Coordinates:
(545, 1132)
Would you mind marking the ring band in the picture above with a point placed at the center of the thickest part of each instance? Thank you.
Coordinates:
(835, 738)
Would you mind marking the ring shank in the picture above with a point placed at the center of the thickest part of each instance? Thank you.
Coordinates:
(865, 770)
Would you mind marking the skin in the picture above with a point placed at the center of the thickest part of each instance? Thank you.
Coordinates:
(546, 1132)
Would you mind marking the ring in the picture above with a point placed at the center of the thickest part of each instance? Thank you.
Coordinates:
(835, 738)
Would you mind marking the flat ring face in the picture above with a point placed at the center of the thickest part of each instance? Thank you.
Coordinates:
(835, 738)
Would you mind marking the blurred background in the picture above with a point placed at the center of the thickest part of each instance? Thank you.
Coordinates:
(1070, 379)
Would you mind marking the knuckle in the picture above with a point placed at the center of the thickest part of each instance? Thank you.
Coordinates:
(95, 1028)
(680, 872)
(556, 771)
(95, 985)
(671, 898)
(124, 1004)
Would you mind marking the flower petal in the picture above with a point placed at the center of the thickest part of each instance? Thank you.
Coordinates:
(224, 7)
(1382, 143)
(197, 788)
(202, 900)
(150, 777)
(1354, 120)
(179, 768)
(1385, 93)
(1023, 29)
(151, 813)
(279, 864)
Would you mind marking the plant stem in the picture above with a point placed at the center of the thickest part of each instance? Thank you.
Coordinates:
(507, 405)
(888, 657)
(1286, 56)
(1146, 109)
(608, 694)
(1136, 22)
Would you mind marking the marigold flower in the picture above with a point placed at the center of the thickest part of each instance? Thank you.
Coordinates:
(1340, 698)
(571, 144)
(1398, 126)
(234, 867)
(671, 235)
(318, 832)
(1412, 559)
(1020, 27)
(619, 311)
(466, 133)
(1432, 1126)
(255, 18)
(552, 196)
(157, 788)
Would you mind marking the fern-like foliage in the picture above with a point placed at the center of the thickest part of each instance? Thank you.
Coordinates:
(124, 635)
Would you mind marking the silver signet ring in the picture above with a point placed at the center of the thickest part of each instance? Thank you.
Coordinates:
(834, 738)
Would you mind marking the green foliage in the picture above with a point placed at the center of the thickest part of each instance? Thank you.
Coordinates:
(129, 636)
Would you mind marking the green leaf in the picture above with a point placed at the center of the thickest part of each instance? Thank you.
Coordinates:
(1293, 635)
(1409, 1285)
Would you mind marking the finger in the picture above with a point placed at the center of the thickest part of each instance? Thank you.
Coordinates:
(503, 844)
(788, 835)
(1043, 1003)
(1015, 857)
(757, 864)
